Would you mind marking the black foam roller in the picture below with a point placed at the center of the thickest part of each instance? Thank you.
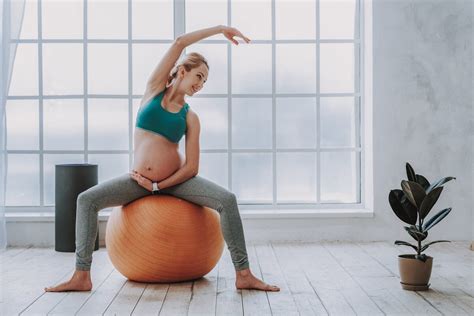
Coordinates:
(71, 180)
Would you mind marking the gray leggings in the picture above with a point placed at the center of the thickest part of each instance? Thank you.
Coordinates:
(123, 189)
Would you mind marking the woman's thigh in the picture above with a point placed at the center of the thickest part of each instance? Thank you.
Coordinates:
(117, 191)
(201, 191)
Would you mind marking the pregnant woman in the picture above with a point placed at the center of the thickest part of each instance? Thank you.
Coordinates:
(158, 168)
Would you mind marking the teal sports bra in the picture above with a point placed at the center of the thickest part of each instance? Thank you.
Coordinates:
(154, 118)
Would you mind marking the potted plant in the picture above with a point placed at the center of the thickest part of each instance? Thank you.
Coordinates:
(412, 205)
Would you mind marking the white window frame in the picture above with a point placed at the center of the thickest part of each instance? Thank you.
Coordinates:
(363, 99)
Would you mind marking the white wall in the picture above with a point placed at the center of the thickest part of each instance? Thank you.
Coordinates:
(422, 113)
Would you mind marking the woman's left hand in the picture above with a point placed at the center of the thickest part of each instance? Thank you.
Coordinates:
(141, 180)
(230, 32)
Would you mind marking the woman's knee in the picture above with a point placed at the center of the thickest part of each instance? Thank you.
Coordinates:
(229, 198)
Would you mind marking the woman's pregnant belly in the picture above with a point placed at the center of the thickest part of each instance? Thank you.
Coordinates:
(155, 157)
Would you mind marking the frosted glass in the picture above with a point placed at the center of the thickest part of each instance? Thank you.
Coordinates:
(214, 167)
(295, 68)
(108, 124)
(24, 80)
(216, 55)
(337, 121)
(252, 68)
(63, 71)
(63, 124)
(337, 67)
(252, 176)
(252, 123)
(296, 177)
(29, 27)
(22, 180)
(152, 19)
(295, 19)
(213, 117)
(107, 19)
(145, 58)
(110, 165)
(49, 166)
(205, 13)
(22, 124)
(63, 19)
(338, 177)
(337, 19)
(107, 68)
(296, 122)
(252, 18)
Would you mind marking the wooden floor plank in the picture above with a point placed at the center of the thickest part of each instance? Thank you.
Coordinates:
(307, 301)
(101, 298)
(229, 298)
(203, 300)
(281, 302)
(255, 302)
(315, 279)
(387, 254)
(100, 271)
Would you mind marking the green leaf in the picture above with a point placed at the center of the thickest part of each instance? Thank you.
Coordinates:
(433, 242)
(429, 202)
(414, 192)
(401, 242)
(438, 183)
(404, 210)
(422, 181)
(416, 233)
(435, 219)
(410, 172)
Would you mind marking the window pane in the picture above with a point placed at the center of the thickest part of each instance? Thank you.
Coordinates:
(295, 19)
(252, 123)
(213, 116)
(338, 177)
(205, 13)
(63, 19)
(107, 68)
(24, 79)
(136, 106)
(216, 55)
(252, 69)
(22, 180)
(22, 124)
(213, 166)
(63, 124)
(337, 121)
(252, 18)
(152, 19)
(252, 176)
(29, 27)
(337, 19)
(110, 165)
(63, 71)
(295, 68)
(337, 67)
(296, 122)
(296, 177)
(107, 19)
(49, 166)
(145, 58)
(108, 124)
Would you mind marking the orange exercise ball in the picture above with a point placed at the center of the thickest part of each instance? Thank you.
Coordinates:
(162, 238)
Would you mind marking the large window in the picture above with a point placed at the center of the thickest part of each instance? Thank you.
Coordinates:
(280, 117)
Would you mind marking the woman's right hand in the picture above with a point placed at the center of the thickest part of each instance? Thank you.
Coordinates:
(229, 32)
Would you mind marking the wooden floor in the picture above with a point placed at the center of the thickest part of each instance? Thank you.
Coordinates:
(329, 278)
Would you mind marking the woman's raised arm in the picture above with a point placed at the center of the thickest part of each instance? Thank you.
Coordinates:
(193, 37)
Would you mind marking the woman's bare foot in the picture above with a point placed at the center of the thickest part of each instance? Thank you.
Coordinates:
(246, 280)
(80, 281)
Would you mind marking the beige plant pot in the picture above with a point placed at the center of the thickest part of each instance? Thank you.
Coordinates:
(414, 274)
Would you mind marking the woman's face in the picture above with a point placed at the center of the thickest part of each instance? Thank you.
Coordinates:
(194, 80)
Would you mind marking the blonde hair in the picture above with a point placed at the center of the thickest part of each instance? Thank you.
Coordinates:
(189, 61)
